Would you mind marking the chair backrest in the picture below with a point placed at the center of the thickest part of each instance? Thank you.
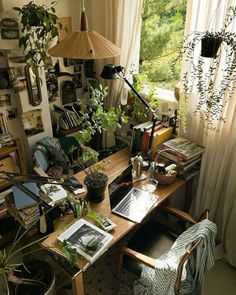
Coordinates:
(202, 246)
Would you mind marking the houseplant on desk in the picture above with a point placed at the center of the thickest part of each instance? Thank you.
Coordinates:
(94, 120)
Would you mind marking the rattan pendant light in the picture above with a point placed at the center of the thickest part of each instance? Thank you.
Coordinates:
(84, 44)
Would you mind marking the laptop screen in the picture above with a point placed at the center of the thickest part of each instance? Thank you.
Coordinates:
(120, 186)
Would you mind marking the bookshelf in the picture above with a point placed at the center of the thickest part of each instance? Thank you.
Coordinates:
(15, 147)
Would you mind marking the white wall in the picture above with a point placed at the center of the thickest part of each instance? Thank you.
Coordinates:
(20, 100)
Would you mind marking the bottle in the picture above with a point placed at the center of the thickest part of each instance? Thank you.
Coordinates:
(151, 183)
(138, 165)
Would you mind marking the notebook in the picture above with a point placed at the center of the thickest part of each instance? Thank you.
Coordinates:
(21, 199)
(127, 201)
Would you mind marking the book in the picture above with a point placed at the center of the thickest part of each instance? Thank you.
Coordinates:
(75, 187)
(159, 137)
(22, 199)
(171, 156)
(54, 191)
(89, 241)
(184, 148)
(147, 136)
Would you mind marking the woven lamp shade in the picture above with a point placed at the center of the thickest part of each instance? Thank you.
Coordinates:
(84, 44)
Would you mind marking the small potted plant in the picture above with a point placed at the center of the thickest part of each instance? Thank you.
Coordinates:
(39, 26)
(95, 119)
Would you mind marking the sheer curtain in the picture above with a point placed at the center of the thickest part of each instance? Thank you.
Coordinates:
(217, 183)
(120, 22)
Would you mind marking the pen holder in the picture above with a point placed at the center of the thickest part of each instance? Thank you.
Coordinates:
(170, 176)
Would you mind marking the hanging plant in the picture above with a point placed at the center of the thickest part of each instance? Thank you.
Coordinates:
(39, 26)
(211, 78)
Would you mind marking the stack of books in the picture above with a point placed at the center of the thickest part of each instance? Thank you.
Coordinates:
(185, 153)
(25, 216)
(141, 135)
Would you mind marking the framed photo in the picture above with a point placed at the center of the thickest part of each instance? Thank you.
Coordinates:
(89, 240)
(9, 28)
(32, 122)
(5, 100)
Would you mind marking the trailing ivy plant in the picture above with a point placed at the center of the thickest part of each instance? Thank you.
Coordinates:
(39, 26)
(211, 78)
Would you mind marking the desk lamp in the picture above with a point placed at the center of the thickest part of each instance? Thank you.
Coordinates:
(115, 72)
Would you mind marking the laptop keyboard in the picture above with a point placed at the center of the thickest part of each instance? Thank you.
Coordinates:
(135, 205)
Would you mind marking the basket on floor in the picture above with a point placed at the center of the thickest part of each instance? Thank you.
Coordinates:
(169, 177)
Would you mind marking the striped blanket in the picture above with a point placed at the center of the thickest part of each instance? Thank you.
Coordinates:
(161, 280)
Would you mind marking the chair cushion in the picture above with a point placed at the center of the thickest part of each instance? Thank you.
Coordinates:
(152, 239)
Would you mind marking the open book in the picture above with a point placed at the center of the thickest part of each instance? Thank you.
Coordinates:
(89, 240)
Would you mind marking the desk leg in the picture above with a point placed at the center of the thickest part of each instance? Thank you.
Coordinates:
(77, 284)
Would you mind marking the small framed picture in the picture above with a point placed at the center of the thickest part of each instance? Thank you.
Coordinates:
(9, 28)
(70, 62)
(5, 100)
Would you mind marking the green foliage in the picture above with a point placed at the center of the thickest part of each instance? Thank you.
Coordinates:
(141, 84)
(39, 26)
(201, 73)
(9, 257)
(70, 252)
(95, 119)
(162, 30)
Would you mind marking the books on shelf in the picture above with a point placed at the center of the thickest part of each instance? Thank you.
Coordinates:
(184, 148)
(66, 117)
(160, 136)
(89, 241)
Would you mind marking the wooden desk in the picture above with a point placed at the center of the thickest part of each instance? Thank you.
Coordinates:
(114, 164)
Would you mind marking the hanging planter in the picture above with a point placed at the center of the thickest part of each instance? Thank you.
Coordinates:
(210, 45)
(210, 73)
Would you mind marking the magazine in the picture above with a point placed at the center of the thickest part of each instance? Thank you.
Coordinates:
(89, 240)
(184, 148)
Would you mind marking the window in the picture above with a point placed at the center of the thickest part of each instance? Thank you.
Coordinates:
(162, 31)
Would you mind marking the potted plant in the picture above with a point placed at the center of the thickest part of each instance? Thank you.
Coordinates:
(199, 77)
(95, 119)
(39, 26)
(32, 277)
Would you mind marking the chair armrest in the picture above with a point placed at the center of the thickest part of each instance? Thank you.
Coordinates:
(178, 213)
(148, 261)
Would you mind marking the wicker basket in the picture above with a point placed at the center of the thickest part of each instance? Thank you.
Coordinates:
(169, 177)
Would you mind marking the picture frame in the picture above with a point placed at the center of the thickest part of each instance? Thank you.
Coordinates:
(9, 28)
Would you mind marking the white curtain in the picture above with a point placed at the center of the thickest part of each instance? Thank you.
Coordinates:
(120, 22)
(217, 182)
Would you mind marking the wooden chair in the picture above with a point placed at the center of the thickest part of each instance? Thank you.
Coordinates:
(148, 241)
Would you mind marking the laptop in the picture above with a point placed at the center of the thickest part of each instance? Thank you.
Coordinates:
(127, 201)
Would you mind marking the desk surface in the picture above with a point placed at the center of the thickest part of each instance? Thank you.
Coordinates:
(113, 164)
